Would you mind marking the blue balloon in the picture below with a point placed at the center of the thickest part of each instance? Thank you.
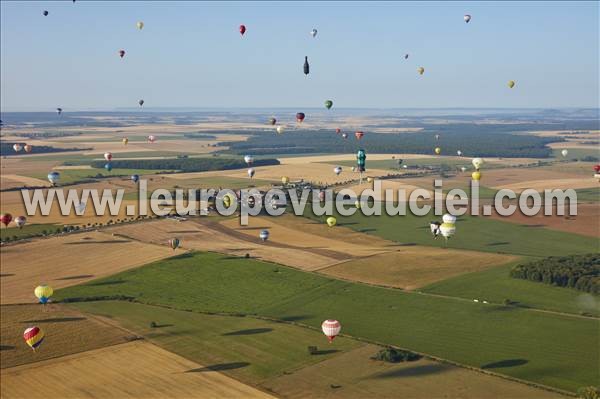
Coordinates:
(43, 300)
(135, 178)
(108, 167)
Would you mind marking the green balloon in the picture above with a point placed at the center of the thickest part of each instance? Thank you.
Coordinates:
(328, 104)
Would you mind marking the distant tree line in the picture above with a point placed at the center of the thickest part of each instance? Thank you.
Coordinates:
(470, 142)
(581, 272)
(204, 136)
(185, 164)
(32, 135)
(6, 149)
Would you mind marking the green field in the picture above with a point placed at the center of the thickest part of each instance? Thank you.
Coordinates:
(74, 176)
(577, 153)
(261, 349)
(29, 230)
(552, 349)
(495, 285)
(588, 194)
(476, 233)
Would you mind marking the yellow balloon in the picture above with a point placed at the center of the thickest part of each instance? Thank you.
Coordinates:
(331, 221)
(447, 230)
(511, 83)
(369, 180)
(438, 150)
(285, 180)
(476, 175)
(125, 141)
(357, 204)
(43, 292)
(421, 70)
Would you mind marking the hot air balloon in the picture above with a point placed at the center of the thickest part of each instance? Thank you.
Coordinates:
(45, 13)
(331, 221)
(17, 147)
(459, 153)
(476, 175)
(321, 196)
(405, 56)
(357, 204)
(306, 66)
(437, 136)
(463, 169)
(467, 18)
(33, 337)
(20, 221)
(264, 235)
(359, 135)
(174, 243)
(248, 159)
(435, 228)
(345, 135)
(280, 129)
(564, 153)
(448, 218)
(328, 104)
(597, 168)
(28, 147)
(447, 230)
(272, 121)
(337, 170)
(421, 70)
(140, 25)
(125, 141)
(251, 173)
(135, 178)
(511, 83)
(338, 130)
(477, 162)
(438, 150)
(151, 139)
(331, 329)
(300, 117)
(53, 177)
(285, 180)
(242, 29)
(108, 156)
(313, 33)
(43, 293)
(108, 167)
(141, 103)
(5, 219)
(228, 200)
(59, 111)
(121, 53)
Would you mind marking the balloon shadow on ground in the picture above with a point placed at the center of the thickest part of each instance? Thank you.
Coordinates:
(55, 320)
(416, 371)
(109, 282)
(6, 347)
(325, 351)
(505, 363)
(497, 243)
(7, 274)
(295, 318)
(254, 228)
(250, 331)
(76, 277)
(99, 242)
(220, 367)
(163, 325)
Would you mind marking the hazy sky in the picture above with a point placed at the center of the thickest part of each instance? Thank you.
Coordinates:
(191, 54)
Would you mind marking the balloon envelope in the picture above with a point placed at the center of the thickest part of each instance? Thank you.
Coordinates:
(28, 147)
(421, 70)
(300, 116)
(313, 32)
(511, 83)
(135, 178)
(33, 337)
(438, 150)
(337, 170)
(174, 243)
(140, 25)
(264, 235)
(331, 329)
(43, 293)
(476, 175)
(280, 129)
(477, 162)
(5, 218)
(328, 104)
(564, 153)
(53, 177)
(331, 221)
(467, 18)
(242, 29)
(20, 221)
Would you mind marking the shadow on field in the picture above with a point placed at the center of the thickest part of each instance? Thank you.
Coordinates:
(6, 347)
(162, 325)
(534, 225)
(497, 243)
(220, 367)
(296, 318)
(108, 282)
(416, 371)
(366, 230)
(184, 231)
(505, 363)
(325, 351)
(55, 320)
(98, 242)
(250, 331)
(76, 277)
(7, 274)
(254, 228)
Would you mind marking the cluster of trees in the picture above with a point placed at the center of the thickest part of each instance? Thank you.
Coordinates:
(185, 164)
(46, 135)
(581, 272)
(471, 143)
(6, 149)
(392, 355)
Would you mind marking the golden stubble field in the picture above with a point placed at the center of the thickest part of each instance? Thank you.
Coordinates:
(132, 370)
(68, 260)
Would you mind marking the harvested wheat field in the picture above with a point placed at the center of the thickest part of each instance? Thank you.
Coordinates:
(66, 330)
(132, 370)
(68, 260)
(415, 266)
(551, 184)
(582, 223)
(354, 375)
(206, 234)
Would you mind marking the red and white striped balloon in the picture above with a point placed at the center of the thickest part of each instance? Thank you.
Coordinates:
(331, 328)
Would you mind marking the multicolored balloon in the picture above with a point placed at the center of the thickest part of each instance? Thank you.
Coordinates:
(264, 235)
(17, 147)
(337, 170)
(28, 148)
(249, 159)
(108, 156)
(174, 243)
(359, 135)
(467, 18)
(151, 139)
(53, 177)
(331, 329)
(33, 337)
(135, 178)
(43, 293)
(20, 221)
